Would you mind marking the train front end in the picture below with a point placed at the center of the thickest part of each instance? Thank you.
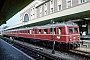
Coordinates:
(73, 37)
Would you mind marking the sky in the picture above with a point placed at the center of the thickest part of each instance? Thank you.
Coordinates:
(12, 21)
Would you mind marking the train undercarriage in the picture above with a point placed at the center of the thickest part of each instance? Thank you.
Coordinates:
(48, 43)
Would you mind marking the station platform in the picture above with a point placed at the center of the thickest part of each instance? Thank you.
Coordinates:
(85, 37)
(8, 52)
(85, 47)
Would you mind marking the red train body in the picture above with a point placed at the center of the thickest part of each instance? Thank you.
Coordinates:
(64, 33)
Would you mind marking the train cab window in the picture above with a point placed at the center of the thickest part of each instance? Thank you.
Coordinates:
(70, 30)
(45, 31)
(76, 30)
(51, 30)
(39, 31)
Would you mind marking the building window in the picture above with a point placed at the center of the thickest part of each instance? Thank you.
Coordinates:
(59, 0)
(52, 10)
(82, 1)
(59, 7)
(26, 18)
(31, 9)
(69, 4)
(33, 16)
(46, 12)
(45, 5)
(40, 9)
(51, 1)
(20, 17)
(40, 14)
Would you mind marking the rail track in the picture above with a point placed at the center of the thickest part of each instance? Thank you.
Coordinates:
(38, 54)
(35, 53)
(78, 52)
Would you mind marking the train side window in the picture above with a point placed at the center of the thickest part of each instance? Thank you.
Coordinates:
(20, 31)
(70, 30)
(39, 31)
(45, 31)
(35, 31)
(23, 31)
(27, 31)
(59, 31)
(76, 30)
(52, 31)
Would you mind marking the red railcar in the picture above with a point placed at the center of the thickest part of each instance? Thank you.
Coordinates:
(64, 34)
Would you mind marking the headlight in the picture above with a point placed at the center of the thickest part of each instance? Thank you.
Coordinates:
(70, 39)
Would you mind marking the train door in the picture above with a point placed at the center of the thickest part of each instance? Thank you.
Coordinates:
(30, 31)
(59, 33)
(70, 32)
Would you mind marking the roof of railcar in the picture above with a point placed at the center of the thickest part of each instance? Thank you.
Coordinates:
(48, 26)
(57, 25)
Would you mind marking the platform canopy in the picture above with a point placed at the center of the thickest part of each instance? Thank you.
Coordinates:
(9, 8)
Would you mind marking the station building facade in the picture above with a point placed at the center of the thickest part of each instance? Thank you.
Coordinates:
(42, 11)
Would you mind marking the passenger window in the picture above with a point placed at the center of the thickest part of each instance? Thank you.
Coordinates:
(23, 31)
(45, 31)
(39, 31)
(51, 30)
(27, 31)
(33, 31)
(76, 30)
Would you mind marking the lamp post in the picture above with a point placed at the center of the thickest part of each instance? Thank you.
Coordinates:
(53, 51)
